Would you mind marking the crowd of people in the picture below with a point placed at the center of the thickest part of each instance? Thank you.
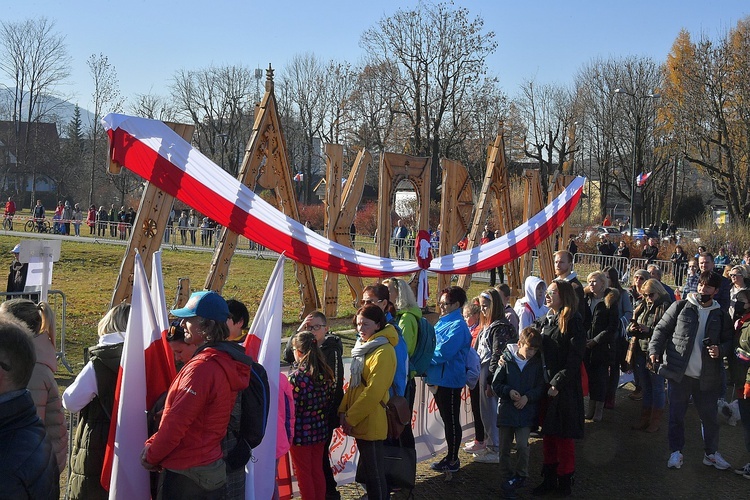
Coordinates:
(546, 365)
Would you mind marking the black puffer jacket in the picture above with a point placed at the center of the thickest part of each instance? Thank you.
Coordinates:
(605, 324)
(28, 468)
(676, 334)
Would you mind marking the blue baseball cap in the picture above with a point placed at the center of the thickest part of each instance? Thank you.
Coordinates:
(207, 304)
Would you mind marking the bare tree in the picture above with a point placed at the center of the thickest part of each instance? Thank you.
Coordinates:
(439, 51)
(547, 111)
(35, 59)
(106, 97)
(154, 107)
(216, 101)
(305, 79)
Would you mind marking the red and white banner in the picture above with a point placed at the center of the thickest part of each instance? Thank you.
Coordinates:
(144, 375)
(155, 152)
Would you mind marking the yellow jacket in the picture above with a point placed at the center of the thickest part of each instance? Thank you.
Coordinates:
(361, 404)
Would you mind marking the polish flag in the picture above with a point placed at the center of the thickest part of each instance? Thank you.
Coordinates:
(261, 471)
(642, 178)
(145, 374)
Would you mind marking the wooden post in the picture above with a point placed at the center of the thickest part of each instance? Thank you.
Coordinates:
(456, 204)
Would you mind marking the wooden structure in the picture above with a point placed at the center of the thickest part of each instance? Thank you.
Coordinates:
(534, 201)
(148, 227)
(265, 163)
(456, 206)
(495, 188)
(340, 208)
(395, 168)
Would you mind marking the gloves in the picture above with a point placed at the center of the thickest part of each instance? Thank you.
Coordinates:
(747, 390)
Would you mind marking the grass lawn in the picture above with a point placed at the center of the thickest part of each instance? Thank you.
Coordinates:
(87, 272)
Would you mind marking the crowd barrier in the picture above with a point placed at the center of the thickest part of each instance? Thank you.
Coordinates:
(585, 263)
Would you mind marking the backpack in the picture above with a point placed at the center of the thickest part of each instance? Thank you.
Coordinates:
(254, 401)
(420, 359)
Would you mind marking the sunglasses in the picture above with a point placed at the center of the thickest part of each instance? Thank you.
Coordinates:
(734, 275)
(445, 304)
(370, 301)
(649, 295)
(550, 293)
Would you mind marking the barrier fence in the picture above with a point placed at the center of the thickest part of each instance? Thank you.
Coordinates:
(585, 263)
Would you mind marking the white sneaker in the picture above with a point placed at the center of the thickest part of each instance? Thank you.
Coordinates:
(716, 460)
(491, 457)
(675, 460)
(475, 447)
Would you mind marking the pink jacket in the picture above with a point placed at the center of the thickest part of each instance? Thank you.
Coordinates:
(286, 417)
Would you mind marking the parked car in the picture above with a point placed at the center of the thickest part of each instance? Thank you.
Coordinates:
(639, 233)
(611, 232)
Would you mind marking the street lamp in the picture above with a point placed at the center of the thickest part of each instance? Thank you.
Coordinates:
(636, 114)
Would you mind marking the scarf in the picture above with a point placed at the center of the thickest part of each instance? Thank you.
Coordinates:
(359, 351)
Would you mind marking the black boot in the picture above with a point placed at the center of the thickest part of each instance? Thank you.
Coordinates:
(565, 485)
(549, 485)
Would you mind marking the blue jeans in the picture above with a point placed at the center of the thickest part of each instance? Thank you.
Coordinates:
(705, 403)
(651, 384)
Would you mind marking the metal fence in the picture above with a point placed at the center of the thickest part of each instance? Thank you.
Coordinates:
(585, 263)
(59, 304)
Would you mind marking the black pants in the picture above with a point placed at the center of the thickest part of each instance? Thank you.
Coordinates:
(373, 464)
(478, 425)
(407, 436)
(449, 405)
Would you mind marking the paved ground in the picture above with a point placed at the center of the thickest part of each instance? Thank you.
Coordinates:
(612, 461)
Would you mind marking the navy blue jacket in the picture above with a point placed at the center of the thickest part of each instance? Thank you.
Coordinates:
(528, 382)
(28, 468)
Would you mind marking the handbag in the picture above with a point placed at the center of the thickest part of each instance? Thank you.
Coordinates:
(630, 353)
(400, 467)
(398, 414)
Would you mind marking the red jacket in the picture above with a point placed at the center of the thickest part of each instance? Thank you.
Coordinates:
(197, 410)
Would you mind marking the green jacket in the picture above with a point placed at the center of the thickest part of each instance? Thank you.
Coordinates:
(408, 321)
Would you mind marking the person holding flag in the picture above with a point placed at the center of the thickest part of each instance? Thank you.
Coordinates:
(93, 394)
(187, 446)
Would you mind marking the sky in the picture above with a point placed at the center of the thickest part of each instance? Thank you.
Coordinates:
(548, 41)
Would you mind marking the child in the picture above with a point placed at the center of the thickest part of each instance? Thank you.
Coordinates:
(471, 313)
(519, 384)
(313, 386)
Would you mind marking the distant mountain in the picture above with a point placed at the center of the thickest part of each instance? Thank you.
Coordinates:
(54, 111)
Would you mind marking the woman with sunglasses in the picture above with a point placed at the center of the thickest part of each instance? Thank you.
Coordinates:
(561, 412)
(446, 375)
(648, 312)
(738, 276)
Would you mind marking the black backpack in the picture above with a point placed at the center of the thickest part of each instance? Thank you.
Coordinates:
(254, 401)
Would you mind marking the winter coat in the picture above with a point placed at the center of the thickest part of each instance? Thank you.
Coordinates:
(361, 404)
(91, 435)
(650, 253)
(605, 325)
(312, 401)
(408, 321)
(333, 352)
(28, 468)
(528, 382)
(583, 308)
(453, 340)
(648, 316)
(46, 396)
(285, 417)
(739, 369)
(198, 407)
(676, 334)
(563, 354)
(492, 342)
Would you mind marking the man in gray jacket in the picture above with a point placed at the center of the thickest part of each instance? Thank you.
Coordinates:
(695, 334)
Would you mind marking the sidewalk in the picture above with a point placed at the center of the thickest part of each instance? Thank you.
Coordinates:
(613, 461)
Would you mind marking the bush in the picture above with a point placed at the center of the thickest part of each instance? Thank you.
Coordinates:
(313, 214)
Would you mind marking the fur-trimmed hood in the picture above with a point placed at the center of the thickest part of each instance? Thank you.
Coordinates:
(611, 296)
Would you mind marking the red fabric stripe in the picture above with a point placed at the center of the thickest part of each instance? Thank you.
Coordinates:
(144, 161)
(158, 376)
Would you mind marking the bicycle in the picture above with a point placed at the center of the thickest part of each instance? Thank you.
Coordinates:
(8, 222)
(37, 226)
